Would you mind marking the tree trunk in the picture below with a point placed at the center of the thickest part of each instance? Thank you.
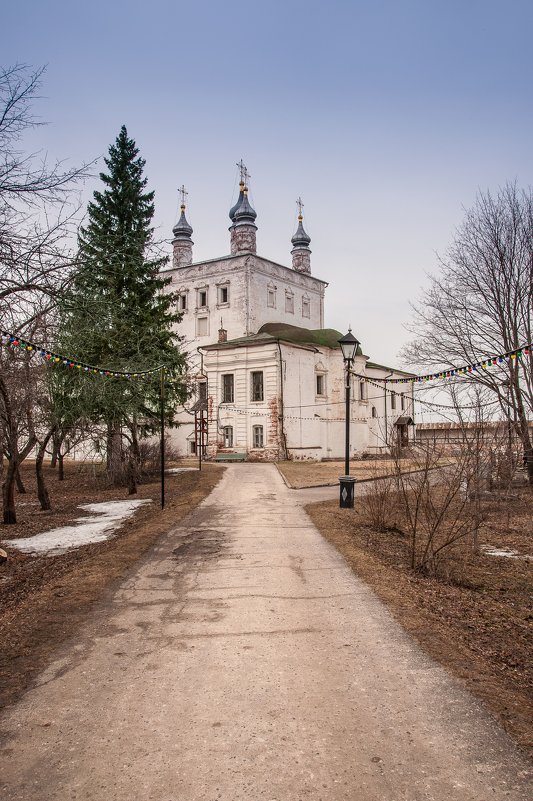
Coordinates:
(20, 484)
(56, 446)
(134, 459)
(114, 453)
(61, 467)
(42, 492)
(132, 484)
(8, 493)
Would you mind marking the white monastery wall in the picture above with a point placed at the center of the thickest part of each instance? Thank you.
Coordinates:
(243, 413)
(280, 295)
(257, 291)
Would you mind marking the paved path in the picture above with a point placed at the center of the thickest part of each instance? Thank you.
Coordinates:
(243, 661)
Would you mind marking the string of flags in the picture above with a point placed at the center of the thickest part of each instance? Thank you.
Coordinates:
(465, 369)
(55, 358)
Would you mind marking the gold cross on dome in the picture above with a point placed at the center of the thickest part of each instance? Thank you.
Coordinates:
(183, 194)
(245, 175)
(300, 206)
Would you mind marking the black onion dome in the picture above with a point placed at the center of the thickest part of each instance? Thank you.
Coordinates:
(182, 229)
(238, 203)
(300, 238)
(244, 212)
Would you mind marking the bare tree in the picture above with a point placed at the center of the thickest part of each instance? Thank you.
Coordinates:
(37, 218)
(481, 304)
(37, 215)
(17, 407)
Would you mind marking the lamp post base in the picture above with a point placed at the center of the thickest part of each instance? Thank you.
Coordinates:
(347, 492)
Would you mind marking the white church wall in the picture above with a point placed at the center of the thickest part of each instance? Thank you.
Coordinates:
(257, 293)
(303, 433)
(212, 276)
(280, 295)
(244, 414)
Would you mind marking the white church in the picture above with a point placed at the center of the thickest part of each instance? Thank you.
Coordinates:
(266, 377)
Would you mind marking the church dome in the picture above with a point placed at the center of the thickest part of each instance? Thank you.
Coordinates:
(238, 203)
(300, 238)
(182, 229)
(244, 213)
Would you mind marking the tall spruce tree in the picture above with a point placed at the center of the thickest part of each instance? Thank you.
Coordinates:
(118, 314)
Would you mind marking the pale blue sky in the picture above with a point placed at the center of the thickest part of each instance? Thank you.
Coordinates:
(385, 116)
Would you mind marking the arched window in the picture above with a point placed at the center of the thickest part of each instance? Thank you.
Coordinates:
(374, 411)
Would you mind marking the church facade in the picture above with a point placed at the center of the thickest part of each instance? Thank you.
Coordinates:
(266, 379)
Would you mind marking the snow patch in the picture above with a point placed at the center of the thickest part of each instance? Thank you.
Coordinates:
(181, 469)
(86, 531)
(506, 552)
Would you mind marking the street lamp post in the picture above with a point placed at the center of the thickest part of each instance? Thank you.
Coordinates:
(349, 345)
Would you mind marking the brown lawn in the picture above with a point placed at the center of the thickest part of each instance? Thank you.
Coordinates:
(475, 616)
(323, 474)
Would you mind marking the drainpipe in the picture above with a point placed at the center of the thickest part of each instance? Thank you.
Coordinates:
(386, 421)
(247, 299)
(281, 413)
(206, 412)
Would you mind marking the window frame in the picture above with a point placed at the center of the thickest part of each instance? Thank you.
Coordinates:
(289, 302)
(261, 387)
(223, 288)
(228, 439)
(199, 321)
(227, 385)
(201, 294)
(258, 433)
(320, 392)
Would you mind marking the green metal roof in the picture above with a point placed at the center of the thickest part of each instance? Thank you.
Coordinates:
(319, 337)
(323, 337)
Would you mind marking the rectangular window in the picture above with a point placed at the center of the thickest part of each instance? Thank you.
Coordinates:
(192, 448)
(320, 384)
(201, 326)
(227, 388)
(271, 299)
(182, 301)
(227, 432)
(306, 307)
(402, 401)
(392, 400)
(202, 298)
(257, 386)
(289, 304)
(223, 295)
(362, 390)
(257, 432)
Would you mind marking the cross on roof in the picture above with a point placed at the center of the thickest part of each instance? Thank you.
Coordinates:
(183, 194)
(300, 206)
(245, 175)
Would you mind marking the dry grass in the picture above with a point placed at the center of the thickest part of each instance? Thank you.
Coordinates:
(326, 474)
(475, 616)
